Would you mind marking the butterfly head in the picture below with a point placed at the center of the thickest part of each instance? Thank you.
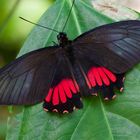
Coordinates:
(62, 39)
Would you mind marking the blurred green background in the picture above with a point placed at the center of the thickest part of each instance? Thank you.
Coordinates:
(13, 32)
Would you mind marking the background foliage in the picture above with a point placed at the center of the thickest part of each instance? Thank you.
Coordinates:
(12, 35)
(118, 119)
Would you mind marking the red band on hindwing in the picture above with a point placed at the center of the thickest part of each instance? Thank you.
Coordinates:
(62, 94)
(100, 75)
(48, 97)
(55, 97)
(66, 89)
(62, 91)
(104, 77)
(91, 78)
(111, 76)
(71, 86)
(97, 76)
(104, 81)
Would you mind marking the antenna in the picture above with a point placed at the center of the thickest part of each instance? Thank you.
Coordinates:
(68, 15)
(39, 25)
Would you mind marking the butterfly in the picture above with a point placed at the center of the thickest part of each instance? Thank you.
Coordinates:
(60, 75)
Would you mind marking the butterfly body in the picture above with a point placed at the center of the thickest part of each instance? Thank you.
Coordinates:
(95, 62)
(63, 40)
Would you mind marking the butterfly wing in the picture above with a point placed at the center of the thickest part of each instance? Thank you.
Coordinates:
(98, 79)
(115, 46)
(63, 95)
(24, 81)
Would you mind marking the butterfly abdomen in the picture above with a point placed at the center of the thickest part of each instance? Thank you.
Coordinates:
(69, 52)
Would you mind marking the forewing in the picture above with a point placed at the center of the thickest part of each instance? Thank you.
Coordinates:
(115, 46)
(24, 81)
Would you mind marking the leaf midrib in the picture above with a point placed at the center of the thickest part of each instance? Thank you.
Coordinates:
(22, 123)
(54, 24)
(106, 119)
(102, 107)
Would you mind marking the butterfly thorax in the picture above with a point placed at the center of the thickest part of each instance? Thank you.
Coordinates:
(63, 39)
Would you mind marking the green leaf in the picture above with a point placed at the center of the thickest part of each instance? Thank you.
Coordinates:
(98, 120)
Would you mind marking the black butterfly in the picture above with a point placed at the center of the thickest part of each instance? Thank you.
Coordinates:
(95, 61)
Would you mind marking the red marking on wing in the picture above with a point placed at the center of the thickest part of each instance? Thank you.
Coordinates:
(91, 78)
(62, 94)
(48, 97)
(66, 89)
(97, 76)
(63, 90)
(103, 76)
(111, 76)
(100, 75)
(72, 86)
(55, 97)
(94, 77)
